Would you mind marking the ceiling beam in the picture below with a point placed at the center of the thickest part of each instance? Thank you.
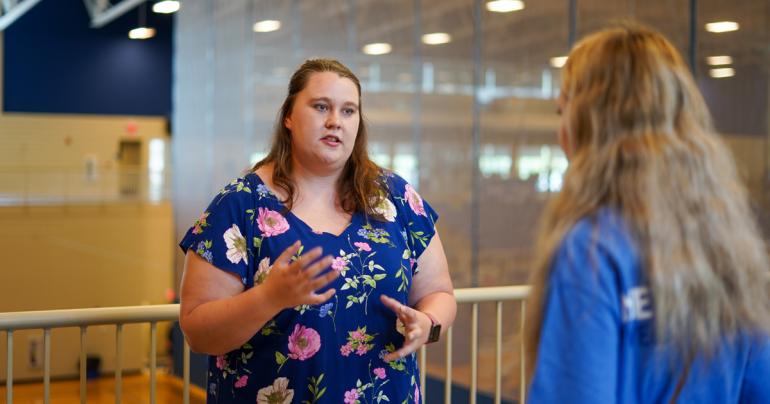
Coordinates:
(103, 14)
(14, 10)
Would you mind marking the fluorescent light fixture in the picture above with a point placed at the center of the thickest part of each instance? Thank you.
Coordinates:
(722, 26)
(719, 60)
(558, 61)
(377, 48)
(436, 38)
(722, 72)
(267, 26)
(505, 6)
(141, 33)
(166, 7)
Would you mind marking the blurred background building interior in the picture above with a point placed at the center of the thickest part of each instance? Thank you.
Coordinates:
(111, 146)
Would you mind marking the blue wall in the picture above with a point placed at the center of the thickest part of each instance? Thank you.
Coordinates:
(55, 63)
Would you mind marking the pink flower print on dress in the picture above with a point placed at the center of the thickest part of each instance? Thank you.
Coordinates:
(242, 381)
(221, 362)
(271, 223)
(416, 394)
(358, 335)
(415, 201)
(362, 246)
(351, 396)
(200, 223)
(339, 264)
(362, 349)
(379, 372)
(304, 342)
(346, 349)
(236, 245)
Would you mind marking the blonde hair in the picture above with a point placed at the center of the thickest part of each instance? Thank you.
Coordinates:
(642, 143)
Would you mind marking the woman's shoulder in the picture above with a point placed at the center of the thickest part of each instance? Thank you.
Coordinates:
(247, 189)
(393, 182)
(602, 238)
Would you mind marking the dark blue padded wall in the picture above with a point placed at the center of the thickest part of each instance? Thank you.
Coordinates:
(54, 62)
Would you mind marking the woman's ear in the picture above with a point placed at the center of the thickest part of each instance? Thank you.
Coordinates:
(287, 123)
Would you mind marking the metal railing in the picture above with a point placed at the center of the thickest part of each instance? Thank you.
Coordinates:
(119, 316)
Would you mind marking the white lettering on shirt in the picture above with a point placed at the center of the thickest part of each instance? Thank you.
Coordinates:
(637, 305)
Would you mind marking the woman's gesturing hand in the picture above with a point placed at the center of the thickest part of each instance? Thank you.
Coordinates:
(291, 283)
(416, 327)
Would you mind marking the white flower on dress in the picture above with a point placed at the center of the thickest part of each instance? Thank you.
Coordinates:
(236, 245)
(262, 271)
(386, 208)
(278, 393)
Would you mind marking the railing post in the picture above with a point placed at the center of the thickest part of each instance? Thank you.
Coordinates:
(9, 371)
(448, 378)
(153, 363)
(118, 362)
(474, 351)
(423, 371)
(46, 365)
(83, 365)
(523, 370)
(498, 352)
(186, 373)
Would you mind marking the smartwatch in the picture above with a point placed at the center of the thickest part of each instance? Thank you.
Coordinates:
(435, 329)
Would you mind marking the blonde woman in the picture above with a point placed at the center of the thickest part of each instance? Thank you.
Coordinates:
(651, 282)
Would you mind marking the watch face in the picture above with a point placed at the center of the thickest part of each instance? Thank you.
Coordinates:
(435, 332)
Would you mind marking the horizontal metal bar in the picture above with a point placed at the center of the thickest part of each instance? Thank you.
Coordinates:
(15, 12)
(107, 16)
(86, 317)
(492, 294)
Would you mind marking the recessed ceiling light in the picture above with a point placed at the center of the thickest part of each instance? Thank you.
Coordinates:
(722, 72)
(141, 33)
(719, 60)
(505, 6)
(558, 61)
(377, 48)
(436, 38)
(722, 26)
(166, 7)
(267, 26)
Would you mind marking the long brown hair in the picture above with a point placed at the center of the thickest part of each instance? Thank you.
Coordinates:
(642, 142)
(359, 187)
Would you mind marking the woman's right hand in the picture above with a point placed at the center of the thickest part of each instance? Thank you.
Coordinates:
(294, 283)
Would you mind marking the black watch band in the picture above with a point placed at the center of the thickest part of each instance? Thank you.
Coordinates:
(435, 329)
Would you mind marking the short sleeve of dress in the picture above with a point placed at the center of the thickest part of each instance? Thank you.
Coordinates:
(416, 216)
(221, 235)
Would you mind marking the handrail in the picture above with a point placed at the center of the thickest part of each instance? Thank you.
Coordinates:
(23, 320)
(169, 312)
(83, 318)
(492, 294)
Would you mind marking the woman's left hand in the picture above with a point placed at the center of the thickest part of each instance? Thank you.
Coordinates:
(416, 327)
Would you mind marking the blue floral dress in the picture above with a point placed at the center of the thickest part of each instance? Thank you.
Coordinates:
(329, 353)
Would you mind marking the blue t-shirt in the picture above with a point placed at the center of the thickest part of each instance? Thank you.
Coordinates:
(598, 341)
(332, 352)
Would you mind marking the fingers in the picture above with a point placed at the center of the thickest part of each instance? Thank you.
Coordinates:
(392, 304)
(286, 255)
(318, 266)
(323, 280)
(321, 297)
(308, 257)
(408, 347)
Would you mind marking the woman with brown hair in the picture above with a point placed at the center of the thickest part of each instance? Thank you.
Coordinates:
(651, 279)
(259, 298)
